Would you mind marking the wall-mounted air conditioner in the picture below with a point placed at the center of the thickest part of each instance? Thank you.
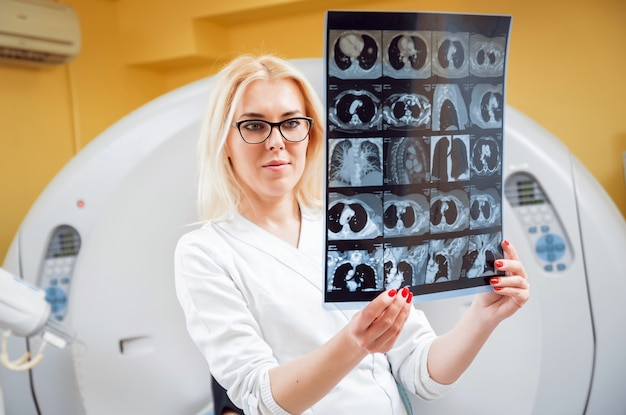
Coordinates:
(38, 32)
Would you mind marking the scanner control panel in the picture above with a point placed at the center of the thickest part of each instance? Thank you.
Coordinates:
(58, 268)
(540, 221)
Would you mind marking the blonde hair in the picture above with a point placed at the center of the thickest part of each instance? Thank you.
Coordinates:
(219, 193)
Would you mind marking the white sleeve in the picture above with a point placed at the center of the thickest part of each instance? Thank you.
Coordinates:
(409, 358)
(220, 323)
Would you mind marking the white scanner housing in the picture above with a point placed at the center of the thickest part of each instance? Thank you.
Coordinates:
(117, 209)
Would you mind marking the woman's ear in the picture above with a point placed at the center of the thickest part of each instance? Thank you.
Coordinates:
(226, 154)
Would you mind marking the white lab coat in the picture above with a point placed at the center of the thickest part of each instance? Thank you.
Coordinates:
(252, 301)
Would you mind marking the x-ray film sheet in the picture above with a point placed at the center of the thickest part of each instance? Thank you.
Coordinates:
(414, 129)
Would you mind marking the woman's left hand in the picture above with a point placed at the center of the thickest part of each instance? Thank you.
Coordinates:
(510, 292)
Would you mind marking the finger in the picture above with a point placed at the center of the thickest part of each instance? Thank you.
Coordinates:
(389, 316)
(514, 281)
(509, 250)
(363, 320)
(510, 266)
(516, 287)
(377, 306)
(518, 295)
(387, 338)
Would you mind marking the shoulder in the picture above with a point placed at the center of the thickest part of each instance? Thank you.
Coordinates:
(197, 238)
(204, 243)
(215, 236)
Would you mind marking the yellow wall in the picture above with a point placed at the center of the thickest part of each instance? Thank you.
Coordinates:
(566, 67)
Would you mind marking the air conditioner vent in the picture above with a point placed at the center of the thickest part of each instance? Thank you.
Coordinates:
(30, 56)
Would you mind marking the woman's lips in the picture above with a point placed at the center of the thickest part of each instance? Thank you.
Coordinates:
(275, 164)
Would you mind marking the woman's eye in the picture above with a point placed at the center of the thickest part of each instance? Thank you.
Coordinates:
(254, 126)
(291, 124)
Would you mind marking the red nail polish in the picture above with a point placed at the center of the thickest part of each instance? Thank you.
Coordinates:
(405, 292)
(409, 299)
(494, 280)
(392, 292)
(498, 263)
(506, 243)
(497, 288)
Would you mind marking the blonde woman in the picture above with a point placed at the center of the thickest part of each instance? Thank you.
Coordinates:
(250, 281)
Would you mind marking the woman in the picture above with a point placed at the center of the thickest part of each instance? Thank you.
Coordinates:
(250, 281)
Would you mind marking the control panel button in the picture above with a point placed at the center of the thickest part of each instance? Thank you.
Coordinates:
(57, 299)
(550, 247)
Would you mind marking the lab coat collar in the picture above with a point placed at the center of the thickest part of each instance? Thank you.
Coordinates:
(306, 260)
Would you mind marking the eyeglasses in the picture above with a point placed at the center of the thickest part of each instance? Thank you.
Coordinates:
(257, 131)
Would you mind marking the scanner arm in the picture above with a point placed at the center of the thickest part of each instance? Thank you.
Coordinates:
(25, 312)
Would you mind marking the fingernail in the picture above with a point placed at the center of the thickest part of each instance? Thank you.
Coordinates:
(405, 292)
(498, 263)
(409, 298)
(494, 280)
(506, 243)
(392, 292)
(497, 288)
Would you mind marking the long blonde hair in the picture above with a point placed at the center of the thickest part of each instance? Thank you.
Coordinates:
(219, 193)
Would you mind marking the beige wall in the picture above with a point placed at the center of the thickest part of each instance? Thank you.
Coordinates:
(566, 69)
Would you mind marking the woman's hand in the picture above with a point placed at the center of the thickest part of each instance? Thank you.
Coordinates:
(300, 383)
(376, 327)
(451, 353)
(509, 293)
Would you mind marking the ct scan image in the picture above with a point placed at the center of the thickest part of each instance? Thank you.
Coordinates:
(487, 106)
(355, 110)
(405, 215)
(485, 207)
(449, 211)
(407, 111)
(354, 217)
(405, 266)
(406, 54)
(355, 162)
(450, 158)
(408, 160)
(451, 54)
(482, 251)
(449, 109)
(355, 271)
(445, 259)
(487, 55)
(355, 54)
(485, 156)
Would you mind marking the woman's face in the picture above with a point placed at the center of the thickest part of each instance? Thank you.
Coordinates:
(269, 170)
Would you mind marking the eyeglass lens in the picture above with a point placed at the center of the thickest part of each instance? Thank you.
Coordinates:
(257, 131)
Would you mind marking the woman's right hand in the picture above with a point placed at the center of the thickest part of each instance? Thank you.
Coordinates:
(300, 383)
(376, 327)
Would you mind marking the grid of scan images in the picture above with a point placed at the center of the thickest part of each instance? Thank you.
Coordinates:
(415, 105)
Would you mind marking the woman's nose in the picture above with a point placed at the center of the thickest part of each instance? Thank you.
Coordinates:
(275, 139)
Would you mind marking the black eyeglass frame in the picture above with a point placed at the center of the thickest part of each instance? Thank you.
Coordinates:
(272, 125)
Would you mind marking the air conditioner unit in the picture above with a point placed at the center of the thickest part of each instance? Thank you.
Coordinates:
(38, 32)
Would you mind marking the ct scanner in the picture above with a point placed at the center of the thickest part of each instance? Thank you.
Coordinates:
(100, 241)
